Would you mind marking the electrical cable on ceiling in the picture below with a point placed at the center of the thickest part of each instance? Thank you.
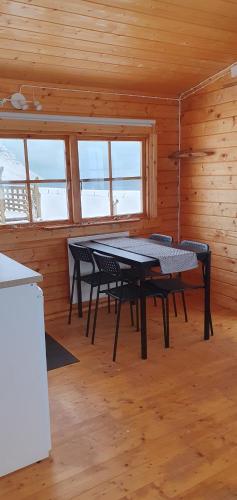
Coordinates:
(43, 87)
(206, 82)
(182, 96)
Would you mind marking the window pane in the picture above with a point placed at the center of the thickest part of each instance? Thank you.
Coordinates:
(13, 204)
(95, 199)
(126, 158)
(49, 201)
(127, 197)
(12, 160)
(93, 159)
(46, 159)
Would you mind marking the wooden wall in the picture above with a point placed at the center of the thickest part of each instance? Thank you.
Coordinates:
(44, 250)
(209, 185)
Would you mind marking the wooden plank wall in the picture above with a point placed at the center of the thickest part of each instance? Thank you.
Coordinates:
(44, 250)
(209, 185)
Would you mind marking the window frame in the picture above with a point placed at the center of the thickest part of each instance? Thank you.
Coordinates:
(110, 179)
(149, 174)
(29, 182)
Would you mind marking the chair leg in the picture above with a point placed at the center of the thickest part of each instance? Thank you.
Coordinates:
(164, 318)
(117, 330)
(174, 304)
(71, 296)
(131, 313)
(89, 313)
(211, 325)
(79, 290)
(95, 315)
(137, 315)
(184, 307)
(108, 301)
(167, 336)
(116, 302)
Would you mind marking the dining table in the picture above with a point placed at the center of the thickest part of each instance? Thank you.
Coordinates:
(144, 254)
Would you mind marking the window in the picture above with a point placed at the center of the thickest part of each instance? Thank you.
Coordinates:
(33, 186)
(103, 179)
(111, 177)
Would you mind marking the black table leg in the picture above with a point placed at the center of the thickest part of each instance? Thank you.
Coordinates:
(79, 294)
(143, 324)
(207, 296)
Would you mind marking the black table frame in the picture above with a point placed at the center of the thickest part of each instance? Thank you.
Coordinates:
(142, 263)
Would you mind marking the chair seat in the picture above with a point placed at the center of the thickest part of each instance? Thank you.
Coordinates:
(97, 279)
(101, 278)
(127, 293)
(172, 285)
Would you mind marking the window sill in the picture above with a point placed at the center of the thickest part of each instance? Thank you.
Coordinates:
(93, 223)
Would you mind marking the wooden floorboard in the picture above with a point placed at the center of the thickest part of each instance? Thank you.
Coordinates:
(165, 428)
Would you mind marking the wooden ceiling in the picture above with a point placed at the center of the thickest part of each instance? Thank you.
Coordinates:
(156, 47)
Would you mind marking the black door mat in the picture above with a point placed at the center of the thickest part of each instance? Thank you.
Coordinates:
(56, 355)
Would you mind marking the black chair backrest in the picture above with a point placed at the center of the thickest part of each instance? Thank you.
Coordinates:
(194, 246)
(82, 254)
(163, 238)
(107, 264)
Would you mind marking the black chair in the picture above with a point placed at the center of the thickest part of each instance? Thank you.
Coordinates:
(177, 285)
(95, 278)
(129, 292)
(162, 238)
(80, 254)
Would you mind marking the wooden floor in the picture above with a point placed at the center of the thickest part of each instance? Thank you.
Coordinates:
(157, 429)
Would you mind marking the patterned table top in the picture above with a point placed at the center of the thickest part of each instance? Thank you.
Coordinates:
(172, 260)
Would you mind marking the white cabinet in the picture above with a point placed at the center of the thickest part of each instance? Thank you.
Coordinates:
(24, 406)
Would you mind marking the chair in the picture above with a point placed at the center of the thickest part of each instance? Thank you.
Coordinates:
(129, 292)
(177, 285)
(80, 254)
(162, 238)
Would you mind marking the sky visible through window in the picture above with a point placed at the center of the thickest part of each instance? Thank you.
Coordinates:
(47, 163)
(111, 177)
(47, 160)
(94, 162)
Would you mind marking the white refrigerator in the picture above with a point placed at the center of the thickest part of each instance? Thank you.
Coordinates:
(24, 405)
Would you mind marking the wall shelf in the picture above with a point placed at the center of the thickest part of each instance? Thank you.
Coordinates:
(178, 155)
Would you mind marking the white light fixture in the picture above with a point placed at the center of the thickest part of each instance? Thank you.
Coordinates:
(18, 101)
(37, 105)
